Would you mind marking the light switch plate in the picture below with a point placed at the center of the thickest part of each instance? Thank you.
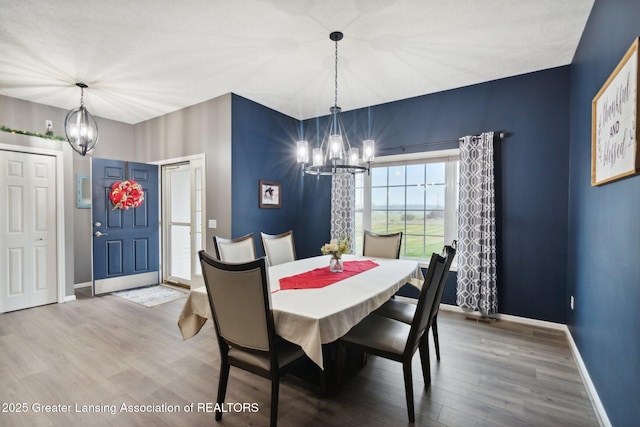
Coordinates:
(212, 223)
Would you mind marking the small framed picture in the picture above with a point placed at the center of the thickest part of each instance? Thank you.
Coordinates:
(270, 194)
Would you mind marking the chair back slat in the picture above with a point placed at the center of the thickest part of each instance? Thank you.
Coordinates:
(382, 245)
(239, 301)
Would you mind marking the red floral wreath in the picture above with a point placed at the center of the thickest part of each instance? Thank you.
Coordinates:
(126, 194)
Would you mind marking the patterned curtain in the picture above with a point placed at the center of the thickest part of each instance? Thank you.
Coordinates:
(477, 226)
(343, 209)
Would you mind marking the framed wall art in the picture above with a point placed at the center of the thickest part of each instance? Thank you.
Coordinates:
(270, 194)
(614, 123)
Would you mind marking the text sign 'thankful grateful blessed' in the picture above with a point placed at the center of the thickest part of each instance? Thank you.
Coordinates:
(614, 133)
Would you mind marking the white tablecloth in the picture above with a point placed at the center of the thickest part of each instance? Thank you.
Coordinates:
(312, 317)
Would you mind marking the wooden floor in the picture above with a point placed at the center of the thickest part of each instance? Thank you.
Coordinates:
(100, 353)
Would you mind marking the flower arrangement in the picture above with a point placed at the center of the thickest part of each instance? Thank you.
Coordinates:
(336, 247)
(126, 194)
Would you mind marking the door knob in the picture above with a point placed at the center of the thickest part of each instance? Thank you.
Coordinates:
(99, 234)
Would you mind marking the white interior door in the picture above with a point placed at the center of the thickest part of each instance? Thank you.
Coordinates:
(28, 239)
(182, 219)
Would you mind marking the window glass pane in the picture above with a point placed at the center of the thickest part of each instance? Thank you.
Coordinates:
(435, 197)
(180, 199)
(414, 221)
(180, 262)
(396, 198)
(379, 198)
(379, 221)
(415, 174)
(198, 220)
(414, 247)
(395, 221)
(433, 244)
(359, 199)
(435, 223)
(196, 257)
(415, 197)
(357, 245)
(435, 173)
(359, 220)
(378, 177)
(396, 175)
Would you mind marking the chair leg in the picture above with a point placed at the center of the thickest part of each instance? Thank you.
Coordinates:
(423, 348)
(222, 387)
(275, 387)
(408, 389)
(436, 341)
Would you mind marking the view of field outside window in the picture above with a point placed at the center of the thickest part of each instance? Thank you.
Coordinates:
(408, 198)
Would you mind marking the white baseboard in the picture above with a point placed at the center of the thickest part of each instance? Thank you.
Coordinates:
(603, 419)
(82, 285)
(69, 298)
(507, 317)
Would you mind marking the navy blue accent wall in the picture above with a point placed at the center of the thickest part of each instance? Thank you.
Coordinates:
(531, 173)
(262, 150)
(604, 227)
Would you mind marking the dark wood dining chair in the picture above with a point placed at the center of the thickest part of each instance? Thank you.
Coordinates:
(405, 311)
(241, 308)
(278, 248)
(398, 341)
(240, 249)
(381, 245)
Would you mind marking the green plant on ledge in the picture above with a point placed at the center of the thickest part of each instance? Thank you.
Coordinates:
(48, 135)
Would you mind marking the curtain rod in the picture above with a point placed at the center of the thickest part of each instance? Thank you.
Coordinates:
(500, 135)
(422, 144)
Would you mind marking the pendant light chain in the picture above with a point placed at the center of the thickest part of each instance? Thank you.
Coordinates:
(335, 93)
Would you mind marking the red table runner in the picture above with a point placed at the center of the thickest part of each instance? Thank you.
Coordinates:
(321, 277)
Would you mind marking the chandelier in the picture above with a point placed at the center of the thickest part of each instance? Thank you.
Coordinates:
(335, 155)
(80, 126)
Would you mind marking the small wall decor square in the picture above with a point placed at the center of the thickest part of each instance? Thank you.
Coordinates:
(270, 194)
(614, 123)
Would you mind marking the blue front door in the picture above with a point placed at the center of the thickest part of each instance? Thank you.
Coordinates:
(125, 242)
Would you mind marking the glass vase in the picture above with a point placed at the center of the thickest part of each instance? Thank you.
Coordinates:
(335, 264)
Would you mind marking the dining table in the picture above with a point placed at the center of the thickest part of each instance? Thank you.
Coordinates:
(312, 306)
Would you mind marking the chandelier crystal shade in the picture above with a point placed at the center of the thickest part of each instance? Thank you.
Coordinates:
(80, 127)
(335, 155)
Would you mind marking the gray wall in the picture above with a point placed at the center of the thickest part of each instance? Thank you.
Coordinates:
(201, 128)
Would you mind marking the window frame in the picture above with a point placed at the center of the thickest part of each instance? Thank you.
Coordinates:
(450, 158)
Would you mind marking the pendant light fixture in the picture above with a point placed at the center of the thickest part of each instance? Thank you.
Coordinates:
(335, 155)
(80, 127)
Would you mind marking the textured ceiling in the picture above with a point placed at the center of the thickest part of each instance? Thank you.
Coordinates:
(145, 58)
